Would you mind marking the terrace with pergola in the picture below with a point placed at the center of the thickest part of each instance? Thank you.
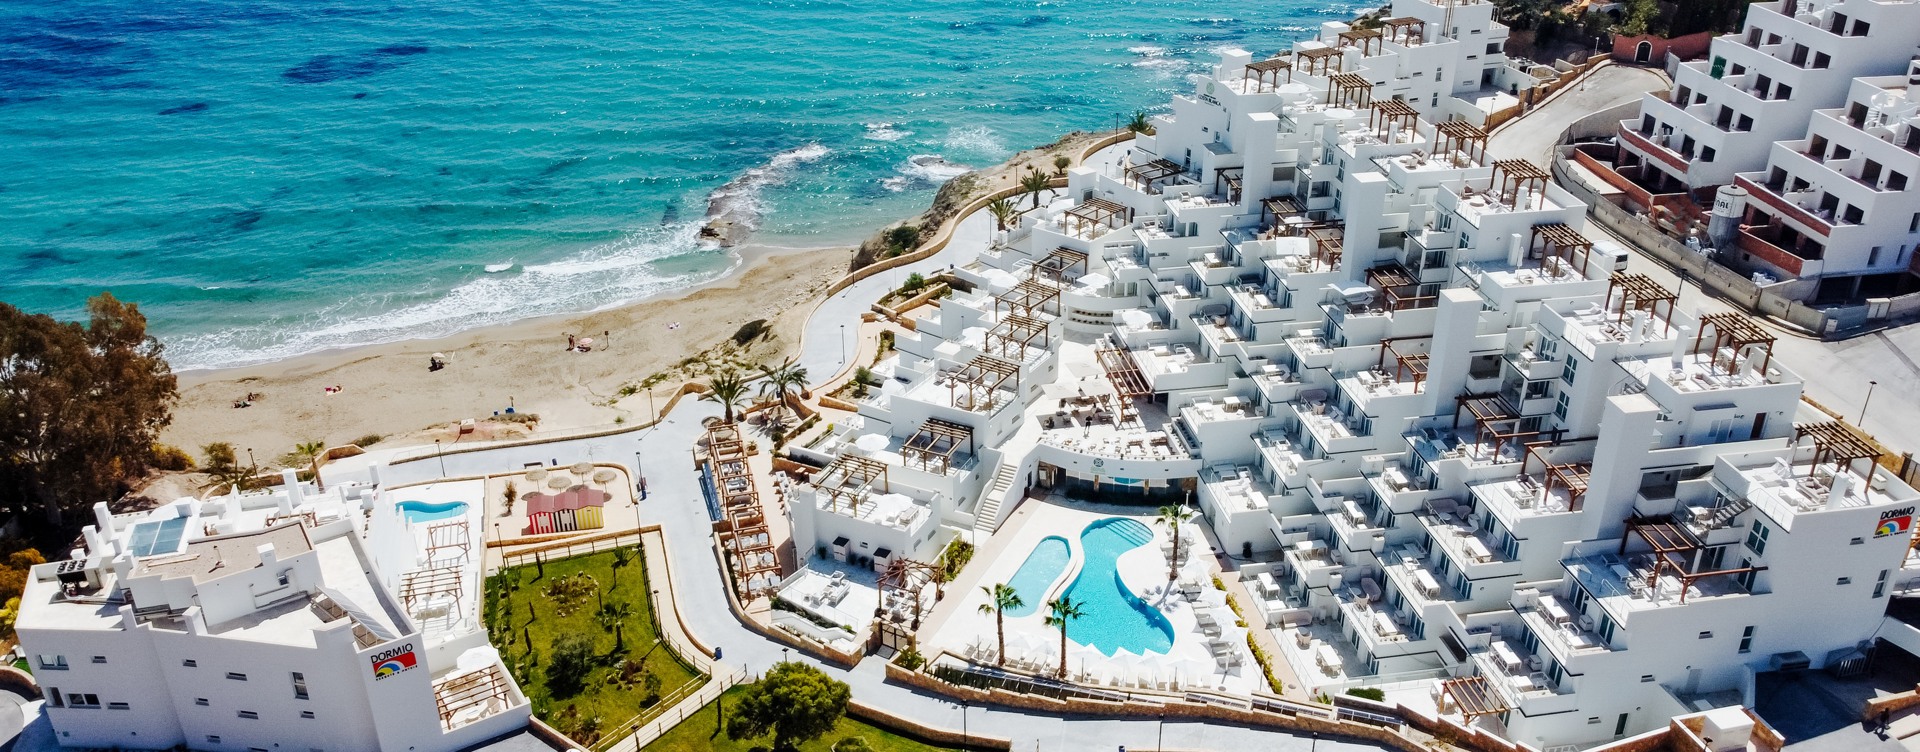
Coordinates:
(1398, 288)
(1014, 337)
(1406, 31)
(1493, 419)
(1676, 551)
(1282, 208)
(936, 441)
(1320, 61)
(1836, 442)
(1228, 178)
(1639, 292)
(849, 478)
(1736, 332)
(1123, 372)
(1460, 136)
(423, 585)
(1350, 90)
(1510, 176)
(1259, 72)
(455, 696)
(1390, 116)
(1095, 214)
(1571, 477)
(1368, 40)
(1329, 242)
(974, 386)
(1144, 176)
(1406, 365)
(747, 538)
(1062, 263)
(1559, 241)
(1029, 298)
(1474, 697)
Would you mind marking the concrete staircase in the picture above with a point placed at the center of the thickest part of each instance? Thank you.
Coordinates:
(986, 514)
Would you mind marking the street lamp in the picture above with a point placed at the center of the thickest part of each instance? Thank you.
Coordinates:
(436, 453)
(640, 478)
(843, 344)
(1316, 742)
(783, 654)
(1160, 740)
(1863, 403)
(965, 738)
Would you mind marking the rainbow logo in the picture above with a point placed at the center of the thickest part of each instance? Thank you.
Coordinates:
(1894, 526)
(393, 663)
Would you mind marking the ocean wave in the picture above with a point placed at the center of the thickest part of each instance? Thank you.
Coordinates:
(975, 141)
(741, 201)
(922, 170)
(885, 132)
(592, 279)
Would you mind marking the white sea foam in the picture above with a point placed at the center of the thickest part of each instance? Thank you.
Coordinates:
(975, 141)
(741, 199)
(885, 132)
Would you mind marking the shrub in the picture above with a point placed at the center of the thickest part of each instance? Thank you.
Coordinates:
(570, 663)
(914, 283)
(902, 239)
(910, 659)
(1369, 693)
(852, 744)
(171, 458)
(368, 440)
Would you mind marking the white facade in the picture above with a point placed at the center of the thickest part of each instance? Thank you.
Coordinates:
(288, 619)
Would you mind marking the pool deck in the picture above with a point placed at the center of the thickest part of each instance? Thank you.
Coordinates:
(958, 624)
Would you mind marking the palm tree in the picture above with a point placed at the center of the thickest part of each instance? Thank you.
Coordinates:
(1003, 212)
(1001, 598)
(309, 449)
(1061, 611)
(1140, 124)
(727, 388)
(1035, 182)
(1060, 165)
(1172, 515)
(782, 379)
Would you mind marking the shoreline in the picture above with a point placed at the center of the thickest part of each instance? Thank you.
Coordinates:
(387, 389)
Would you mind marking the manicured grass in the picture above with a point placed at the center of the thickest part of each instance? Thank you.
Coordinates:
(697, 734)
(564, 603)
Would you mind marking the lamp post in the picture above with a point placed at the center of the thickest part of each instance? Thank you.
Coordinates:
(640, 479)
(1160, 738)
(1315, 745)
(1863, 403)
(965, 738)
(843, 345)
(436, 453)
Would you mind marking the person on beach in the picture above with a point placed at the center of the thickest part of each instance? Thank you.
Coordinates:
(570, 344)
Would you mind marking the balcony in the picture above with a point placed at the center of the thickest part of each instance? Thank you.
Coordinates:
(1410, 570)
(1283, 455)
(1780, 245)
(1460, 540)
(1770, 194)
(1565, 634)
(1228, 408)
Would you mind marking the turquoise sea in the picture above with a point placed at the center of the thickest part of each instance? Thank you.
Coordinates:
(270, 178)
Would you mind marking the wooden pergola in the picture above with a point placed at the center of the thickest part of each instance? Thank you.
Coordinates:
(1029, 298)
(1406, 31)
(438, 582)
(1281, 207)
(1638, 292)
(1736, 331)
(1390, 115)
(973, 387)
(1259, 72)
(481, 688)
(1493, 419)
(1015, 333)
(1511, 175)
(448, 535)
(1673, 545)
(1474, 696)
(1329, 242)
(1562, 242)
(1398, 288)
(908, 578)
(1095, 212)
(1320, 61)
(936, 440)
(850, 478)
(1350, 90)
(1837, 442)
(1461, 136)
(1572, 476)
(1123, 372)
(1158, 169)
(746, 537)
(1368, 40)
(1405, 364)
(1229, 178)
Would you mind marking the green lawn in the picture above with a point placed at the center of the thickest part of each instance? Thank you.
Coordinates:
(697, 734)
(564, 602)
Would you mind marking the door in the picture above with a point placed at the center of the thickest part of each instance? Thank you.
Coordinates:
(1620, 726)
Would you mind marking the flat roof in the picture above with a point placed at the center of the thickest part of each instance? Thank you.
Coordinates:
(212, 558)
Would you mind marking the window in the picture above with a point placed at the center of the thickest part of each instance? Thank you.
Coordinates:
(1745, 123)
(1843, 581)
(1873, 256)
(1646, 678)
(1538, 389)
(1560, 407)
(1856, 541)
(236, 676)
(299, 686)
(1870, 172)
(213, 738)
(1852, 215)
(52, 662)
(190, 663)
(79, 700)
(1913, 225)
(1746, 640)
(99, 659)
(1706, 153)
(307, 714)
(1757, 538)
(1706, 635)
(1493, 48)
(118, 706)
(201, 701)
(249, 715)
(1821, 59)
(1567, 371)
(1880, 585)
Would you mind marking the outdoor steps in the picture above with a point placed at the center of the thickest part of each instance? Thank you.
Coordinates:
(1728, 512)
(986, 516)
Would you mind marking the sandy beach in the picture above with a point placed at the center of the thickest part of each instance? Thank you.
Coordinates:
(388, 389)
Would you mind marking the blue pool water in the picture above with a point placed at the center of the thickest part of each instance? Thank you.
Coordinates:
(425, 511)
(1037, 573)
(273, 177)
(1115, 617)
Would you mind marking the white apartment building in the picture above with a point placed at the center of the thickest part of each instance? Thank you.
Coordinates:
(289, 619)
(1461, 455)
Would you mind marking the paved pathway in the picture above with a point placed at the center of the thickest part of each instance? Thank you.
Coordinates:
(1532, 136)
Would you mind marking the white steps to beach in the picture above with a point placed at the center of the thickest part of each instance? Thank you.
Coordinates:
(986, 516)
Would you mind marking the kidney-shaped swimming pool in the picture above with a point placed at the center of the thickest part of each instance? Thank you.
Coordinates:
(1114, 617)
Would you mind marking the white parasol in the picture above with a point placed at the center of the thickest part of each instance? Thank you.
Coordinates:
(1095, 280)
(1000, 280)
(871, 442)
(1136, 318)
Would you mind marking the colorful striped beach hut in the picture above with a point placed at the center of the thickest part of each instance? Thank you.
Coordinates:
(577, 508)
